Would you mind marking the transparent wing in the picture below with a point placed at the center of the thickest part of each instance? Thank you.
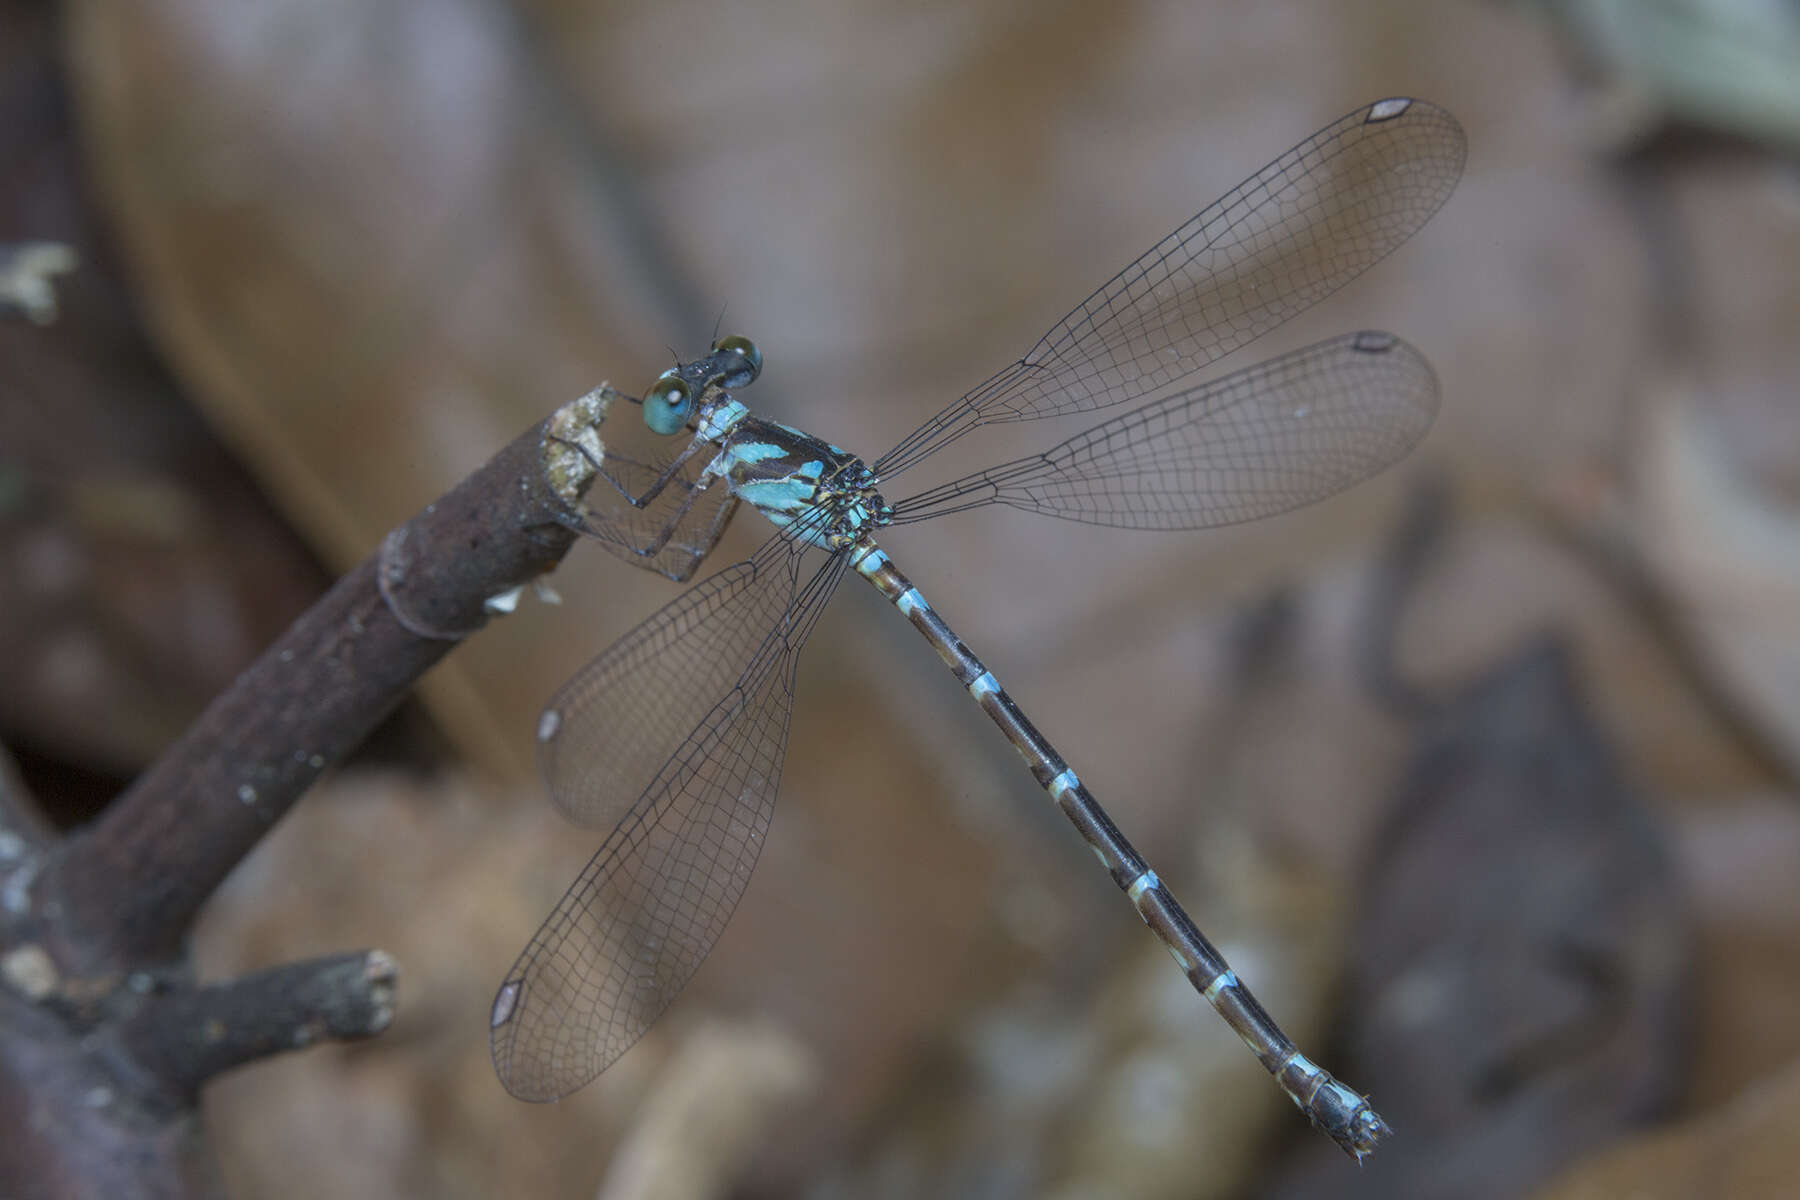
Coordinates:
(633, 929)
(609, 730)
(1282, 240)
(1267, 439)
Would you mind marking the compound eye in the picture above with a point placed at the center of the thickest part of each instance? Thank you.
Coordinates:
(749, 360)
(668, 405)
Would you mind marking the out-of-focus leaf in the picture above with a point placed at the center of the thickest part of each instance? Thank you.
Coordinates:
(1748, 1150)
(369, 244)
(1730, 560)
(1726, 65)
(139, 567)
(727, 1089)
(1741, 861)
(1517, 984)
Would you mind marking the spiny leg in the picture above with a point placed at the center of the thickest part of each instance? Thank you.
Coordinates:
(644, 542)
(642, 499)
(1342, 1112)
(655, 545)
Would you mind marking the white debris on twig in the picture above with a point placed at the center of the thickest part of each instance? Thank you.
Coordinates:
(25, 274)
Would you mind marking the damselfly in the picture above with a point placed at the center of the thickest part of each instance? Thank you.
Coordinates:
(674, 737)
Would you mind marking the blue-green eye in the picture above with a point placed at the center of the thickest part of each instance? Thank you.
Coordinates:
(748, 364)
(668, 405)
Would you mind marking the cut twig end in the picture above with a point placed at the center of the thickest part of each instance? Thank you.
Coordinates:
(186, 1037)
(381, 976)
(572, 448)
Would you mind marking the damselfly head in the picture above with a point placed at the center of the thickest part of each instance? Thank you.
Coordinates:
(679, 394)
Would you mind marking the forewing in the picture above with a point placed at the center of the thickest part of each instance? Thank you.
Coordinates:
(609, 730)
(1262, 441)
(633, 929)
(1282, 240)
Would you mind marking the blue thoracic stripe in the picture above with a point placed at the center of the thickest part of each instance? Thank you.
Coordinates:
(746, 454)
(780, 497)
(720, 422)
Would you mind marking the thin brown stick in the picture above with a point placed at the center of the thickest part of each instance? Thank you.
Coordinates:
(105, 1039)
(126, 889)
(186, 1036)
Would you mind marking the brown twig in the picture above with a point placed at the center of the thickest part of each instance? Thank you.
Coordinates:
(186, 1036)
(105, 1038)
(127, 887)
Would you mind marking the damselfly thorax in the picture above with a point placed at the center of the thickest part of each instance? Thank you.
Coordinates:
(821, 492)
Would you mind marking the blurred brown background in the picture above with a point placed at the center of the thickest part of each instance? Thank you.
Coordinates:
(336, 254)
